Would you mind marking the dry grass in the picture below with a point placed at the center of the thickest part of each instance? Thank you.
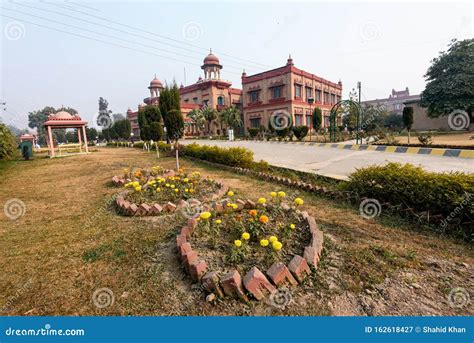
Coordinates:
(448, 139)
(70, 243)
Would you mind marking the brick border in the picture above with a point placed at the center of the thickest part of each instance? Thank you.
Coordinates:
(128, 208)
(255, 282)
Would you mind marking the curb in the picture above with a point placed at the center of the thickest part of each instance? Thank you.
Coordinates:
(462, 153)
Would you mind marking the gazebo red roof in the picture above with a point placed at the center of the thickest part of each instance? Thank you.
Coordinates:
(64, 119)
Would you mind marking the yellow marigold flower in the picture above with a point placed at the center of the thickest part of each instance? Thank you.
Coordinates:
(218, 221)
(238, 242)
(205, 215)
(186, 190)
(281, 194)
(138, 188)
(251, 220)
(186, 179)
(273, 194)
(176, 190)
(292, 226)
(299, 201)
(277, 245)
(262, 200)
(273, 239)
(234, 206)
(158, 189)
(263, 219)
(264, 242)
(253, 213)
(191, 190)
(135, 184)
(167, 185)
(172, 186)
(246, 235)
(230, 193)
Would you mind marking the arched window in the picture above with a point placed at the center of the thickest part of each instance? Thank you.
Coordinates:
(220, 100)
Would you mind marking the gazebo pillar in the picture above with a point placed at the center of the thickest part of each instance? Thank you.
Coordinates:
(85, 138)
(80, 139)
(51, 142)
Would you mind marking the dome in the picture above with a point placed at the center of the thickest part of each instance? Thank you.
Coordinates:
(156, 83)
(211, 59)
(62, 115)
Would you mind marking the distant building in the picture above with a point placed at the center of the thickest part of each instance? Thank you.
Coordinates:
(287, 89)
(395, 101)
(212, 91)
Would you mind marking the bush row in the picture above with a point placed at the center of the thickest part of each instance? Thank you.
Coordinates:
(236, 157)
(448, 194)
(139, 145)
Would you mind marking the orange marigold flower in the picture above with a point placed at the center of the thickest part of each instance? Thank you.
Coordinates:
(253, 213)
(263, 219)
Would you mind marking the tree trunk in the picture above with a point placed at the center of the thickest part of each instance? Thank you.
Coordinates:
(408, 137)
(177, 155)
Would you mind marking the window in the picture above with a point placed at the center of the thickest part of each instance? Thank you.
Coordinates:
(298, 120)
(254, 96)
(308, 121)
(338, 98)
(309, 93)
(326, 97)
(276, 92)
(195, 100)
(333, 98)
(318, 95)
(186, 100)
(220, 100)
(255, 122)
(297, 91)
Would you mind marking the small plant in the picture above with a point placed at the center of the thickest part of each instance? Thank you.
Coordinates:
(425, 139)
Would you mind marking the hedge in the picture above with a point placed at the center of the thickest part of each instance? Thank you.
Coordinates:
(8, 143)
(448, 194)
(235, 157)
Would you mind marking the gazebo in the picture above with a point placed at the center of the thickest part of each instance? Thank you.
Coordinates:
(65, 120)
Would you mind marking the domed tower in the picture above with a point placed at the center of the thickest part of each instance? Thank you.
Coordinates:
(212, 67)
(155, 87)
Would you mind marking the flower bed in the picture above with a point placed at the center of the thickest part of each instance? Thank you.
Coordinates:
(141, 175)
(154, 195)
(269, 242)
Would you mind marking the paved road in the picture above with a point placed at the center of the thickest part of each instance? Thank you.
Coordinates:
(339, 163)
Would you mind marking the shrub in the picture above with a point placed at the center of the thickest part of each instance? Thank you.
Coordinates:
(235, 157)
(413, 187)
(253, 131)
(300, 132)
(425, 139)
(8, 143)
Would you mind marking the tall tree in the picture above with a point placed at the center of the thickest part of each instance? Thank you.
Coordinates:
(104, 118)
(317, 118)
(450, 80)
(150, 122)
(407, 117)
(171, 111)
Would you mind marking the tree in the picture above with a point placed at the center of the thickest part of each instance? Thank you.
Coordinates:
(450, 80)
(103, 119)
(209, 114)
(122, 129)
(407, 117)
(317, 118)
(150, 123)
(8, 143)
(172, 117)
(232, 117)
(198, 118)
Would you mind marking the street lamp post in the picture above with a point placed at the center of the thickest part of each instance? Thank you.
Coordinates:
(311, 101)
(131, 136)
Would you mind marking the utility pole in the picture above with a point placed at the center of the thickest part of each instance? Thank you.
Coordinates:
(359, 86)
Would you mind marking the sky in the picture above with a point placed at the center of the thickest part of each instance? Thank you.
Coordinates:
(70, 53)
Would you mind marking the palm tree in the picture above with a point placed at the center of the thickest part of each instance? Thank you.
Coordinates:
(232, 117)
(209, 114)
(198, 118)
